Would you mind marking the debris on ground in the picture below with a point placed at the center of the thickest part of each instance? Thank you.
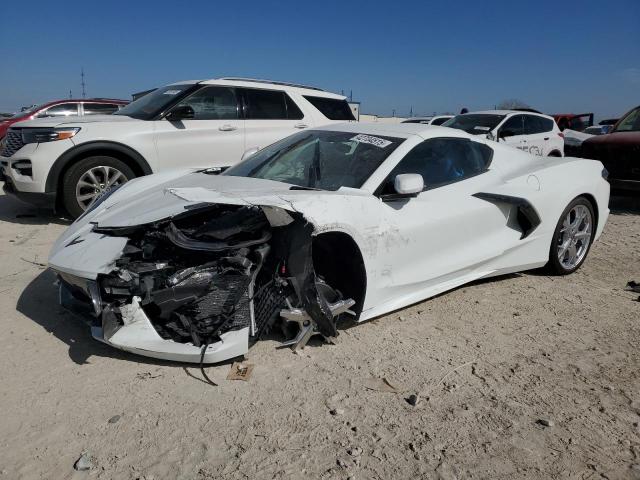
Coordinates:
(633, 286)
(83, 463)
(240, 371)
(545, 422)
(355, 451)
(413, 399)
(382, 385)
(336, 411)
(114, 419)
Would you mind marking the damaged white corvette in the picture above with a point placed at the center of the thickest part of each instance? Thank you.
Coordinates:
(347, 221)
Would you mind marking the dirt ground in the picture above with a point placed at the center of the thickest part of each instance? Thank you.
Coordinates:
(490, 362)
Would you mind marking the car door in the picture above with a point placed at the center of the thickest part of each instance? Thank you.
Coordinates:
(511, 132)
(213, 137)
(270, 115)
(535, 140)
(443, 235)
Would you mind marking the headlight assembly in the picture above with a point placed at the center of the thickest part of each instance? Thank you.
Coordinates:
(41, 135)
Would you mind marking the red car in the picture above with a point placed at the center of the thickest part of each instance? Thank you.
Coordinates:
(573, 121)
(64, 108)
(619, 151)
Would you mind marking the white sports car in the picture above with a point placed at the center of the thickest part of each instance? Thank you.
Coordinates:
(346, 220)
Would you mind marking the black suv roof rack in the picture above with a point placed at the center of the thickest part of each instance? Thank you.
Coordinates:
(272, 82)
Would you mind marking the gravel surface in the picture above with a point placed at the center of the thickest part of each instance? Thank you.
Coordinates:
(523, 376)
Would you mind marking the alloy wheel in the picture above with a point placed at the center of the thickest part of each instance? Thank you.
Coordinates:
(96, 181)
(575, 236)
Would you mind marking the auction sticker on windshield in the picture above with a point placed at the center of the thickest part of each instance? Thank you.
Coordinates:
(378, 142)
(479, 127)
(171, 92)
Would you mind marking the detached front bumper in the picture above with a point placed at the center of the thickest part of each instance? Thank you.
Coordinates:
(136, 334)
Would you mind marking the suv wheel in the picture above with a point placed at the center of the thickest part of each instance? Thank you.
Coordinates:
(90, 177)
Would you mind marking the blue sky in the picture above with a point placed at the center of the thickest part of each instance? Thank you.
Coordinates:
(433, 56)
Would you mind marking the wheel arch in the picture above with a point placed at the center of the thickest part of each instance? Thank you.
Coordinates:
(122, 152)
(555, 153)
(594, 205)
(338, 259)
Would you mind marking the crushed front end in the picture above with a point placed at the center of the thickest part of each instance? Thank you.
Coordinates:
(203, 284)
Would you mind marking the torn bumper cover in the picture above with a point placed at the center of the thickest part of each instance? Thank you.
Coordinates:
(203, 284)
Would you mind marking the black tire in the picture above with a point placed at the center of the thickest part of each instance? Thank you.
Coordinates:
(555, 153)
(72, 176)
(555, 266)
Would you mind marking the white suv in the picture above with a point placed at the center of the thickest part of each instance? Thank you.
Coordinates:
(532, 132)
(210, 123)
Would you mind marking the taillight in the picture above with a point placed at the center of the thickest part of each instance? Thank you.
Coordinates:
(561, 135)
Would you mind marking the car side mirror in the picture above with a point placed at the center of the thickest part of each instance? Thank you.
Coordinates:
(250, 152)
(182, 112)
(408, 184)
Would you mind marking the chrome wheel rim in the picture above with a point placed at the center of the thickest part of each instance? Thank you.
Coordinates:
(575, 236)
(95, 182)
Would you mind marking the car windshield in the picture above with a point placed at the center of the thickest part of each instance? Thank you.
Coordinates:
(324, 160)
(26, 111)
(474, 123)
(155, 102)
(630, 123)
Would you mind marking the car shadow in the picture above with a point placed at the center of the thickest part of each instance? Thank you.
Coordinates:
(13, 210)
(39, 302)
(624, 205)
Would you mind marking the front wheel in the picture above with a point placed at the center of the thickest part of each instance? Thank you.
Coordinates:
(572, 237)
(89, 178)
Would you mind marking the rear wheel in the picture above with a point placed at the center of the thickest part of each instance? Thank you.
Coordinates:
(90, 177)
(572, 237)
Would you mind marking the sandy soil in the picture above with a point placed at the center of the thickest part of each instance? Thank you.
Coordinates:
(489, 362)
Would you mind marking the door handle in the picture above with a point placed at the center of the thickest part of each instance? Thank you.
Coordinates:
(546, 138)
(227, 128)
(301, 125)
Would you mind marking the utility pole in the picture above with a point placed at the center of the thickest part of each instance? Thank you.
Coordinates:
(70, 95)
(82, 83)
(351, 95)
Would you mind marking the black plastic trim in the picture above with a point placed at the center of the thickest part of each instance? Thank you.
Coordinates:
(44, 200)
(528, 217)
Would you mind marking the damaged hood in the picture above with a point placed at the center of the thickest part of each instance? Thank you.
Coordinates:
(149, 199)
(160, 196)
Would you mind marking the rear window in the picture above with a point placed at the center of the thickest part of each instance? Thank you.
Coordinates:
(100, 108)
(439, 121)
(534, 124)
(331, 108)
(475, 123)
(270, 105)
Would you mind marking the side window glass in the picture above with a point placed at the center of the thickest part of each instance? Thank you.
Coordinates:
(63, 110)
(531, 125)
(514, 125)
(293, 111)
(439, 121)
(442, 161)
(546, 124)
(265, 104)
(213, 103)
(100, 108)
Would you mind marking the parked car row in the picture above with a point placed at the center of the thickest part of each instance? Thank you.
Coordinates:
(63, 108)
(68, 153)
